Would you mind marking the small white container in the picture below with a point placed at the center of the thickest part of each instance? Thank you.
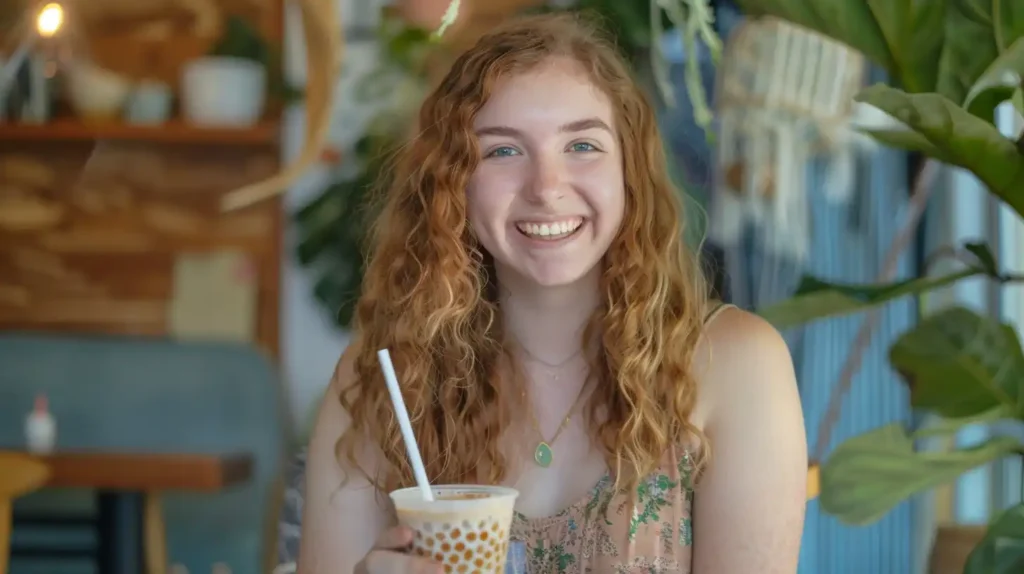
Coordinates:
(149, 104)
(40, 428)
(96, 93)
(221, 91)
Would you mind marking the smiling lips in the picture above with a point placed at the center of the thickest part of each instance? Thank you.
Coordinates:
(549, 230)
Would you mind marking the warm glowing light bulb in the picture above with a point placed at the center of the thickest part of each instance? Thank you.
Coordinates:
(50, 19)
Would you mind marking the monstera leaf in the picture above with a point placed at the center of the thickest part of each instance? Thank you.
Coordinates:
(815, 299)
(870, 474)
(959, 364)
(1002, 549)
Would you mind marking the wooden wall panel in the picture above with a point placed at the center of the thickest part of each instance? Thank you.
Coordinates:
(89, 234)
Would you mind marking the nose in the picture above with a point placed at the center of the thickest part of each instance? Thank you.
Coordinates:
(548, 181)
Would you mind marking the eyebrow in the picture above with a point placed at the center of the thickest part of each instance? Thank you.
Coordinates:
(574, 126)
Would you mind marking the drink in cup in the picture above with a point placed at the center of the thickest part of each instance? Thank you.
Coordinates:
(466, 528)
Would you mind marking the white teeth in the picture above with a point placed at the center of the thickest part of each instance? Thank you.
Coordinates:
(551, 229)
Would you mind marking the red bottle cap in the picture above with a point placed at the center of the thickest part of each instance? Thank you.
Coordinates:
(42, 404)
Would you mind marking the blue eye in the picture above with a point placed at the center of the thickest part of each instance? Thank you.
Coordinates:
(503, 151)
(582, 147)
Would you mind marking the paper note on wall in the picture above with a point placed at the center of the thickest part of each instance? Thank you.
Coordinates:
(214, 298)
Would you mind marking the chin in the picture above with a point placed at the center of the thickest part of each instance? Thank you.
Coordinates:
(553, 278)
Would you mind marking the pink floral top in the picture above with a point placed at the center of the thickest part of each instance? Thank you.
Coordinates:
(613, 532)
(646, 532)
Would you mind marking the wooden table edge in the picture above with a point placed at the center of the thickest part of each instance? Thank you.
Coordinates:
(143, 472)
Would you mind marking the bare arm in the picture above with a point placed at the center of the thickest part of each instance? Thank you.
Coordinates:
(749, 506)
(339, 524)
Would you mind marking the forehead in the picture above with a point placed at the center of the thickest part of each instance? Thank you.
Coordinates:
(546, 96)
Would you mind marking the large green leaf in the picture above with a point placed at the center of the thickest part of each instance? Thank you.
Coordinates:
(905, 139)
(871, 473)
(1009, 23)
(969, 47)
(893, 19)
(914, 32)
(848, 21)
(998, 83)
(959, 364)
(946, 427)
(815, 299)
(962, 139)
(921, 51)
(1002, 549)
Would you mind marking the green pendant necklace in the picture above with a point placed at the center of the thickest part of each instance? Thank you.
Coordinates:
(543, 454)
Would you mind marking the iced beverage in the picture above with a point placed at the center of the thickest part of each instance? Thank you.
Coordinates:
(465, 528)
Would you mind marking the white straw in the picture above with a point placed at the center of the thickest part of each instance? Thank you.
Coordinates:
(403, 422)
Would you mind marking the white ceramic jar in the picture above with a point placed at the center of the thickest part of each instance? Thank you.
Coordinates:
(218, 91)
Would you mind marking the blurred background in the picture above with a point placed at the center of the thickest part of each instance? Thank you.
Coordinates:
(162, 358)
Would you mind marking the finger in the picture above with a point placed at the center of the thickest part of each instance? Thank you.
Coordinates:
(388, 562)
(399, 537)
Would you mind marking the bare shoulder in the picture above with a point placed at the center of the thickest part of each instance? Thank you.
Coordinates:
(734, 332)
(740, 353)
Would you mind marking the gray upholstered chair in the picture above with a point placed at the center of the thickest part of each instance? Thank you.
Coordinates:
(152, 395)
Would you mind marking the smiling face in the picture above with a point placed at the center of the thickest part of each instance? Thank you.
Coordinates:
(548, 195)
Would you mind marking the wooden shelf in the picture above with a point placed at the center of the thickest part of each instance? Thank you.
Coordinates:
(173, 132)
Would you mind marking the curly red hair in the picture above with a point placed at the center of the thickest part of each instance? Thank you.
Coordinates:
(428, 293)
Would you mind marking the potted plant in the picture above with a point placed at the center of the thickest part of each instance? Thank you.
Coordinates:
(951, 64)
(228, 87)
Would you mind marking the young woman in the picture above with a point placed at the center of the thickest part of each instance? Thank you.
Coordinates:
(552, 333)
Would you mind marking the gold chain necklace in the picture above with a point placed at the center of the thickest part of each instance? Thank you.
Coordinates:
(543, 454)
(557, 365)
(547, 364)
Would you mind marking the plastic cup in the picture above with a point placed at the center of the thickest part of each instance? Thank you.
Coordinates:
(465, 528)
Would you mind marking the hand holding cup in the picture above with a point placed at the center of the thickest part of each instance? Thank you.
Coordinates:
(391, 555)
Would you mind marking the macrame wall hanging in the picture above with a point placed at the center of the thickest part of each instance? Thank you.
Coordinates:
(784, 98)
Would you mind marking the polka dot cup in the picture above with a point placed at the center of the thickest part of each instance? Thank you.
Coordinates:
(465, 528)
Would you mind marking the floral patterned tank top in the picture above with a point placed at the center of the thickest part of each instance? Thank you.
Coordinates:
(613, 532)
(648, 531)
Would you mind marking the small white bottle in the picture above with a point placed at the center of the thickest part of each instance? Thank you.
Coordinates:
(40, 428)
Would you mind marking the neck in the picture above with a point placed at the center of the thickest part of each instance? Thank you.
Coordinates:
(548, 322)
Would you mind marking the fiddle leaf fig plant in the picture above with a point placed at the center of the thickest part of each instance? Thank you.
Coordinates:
(951, 64)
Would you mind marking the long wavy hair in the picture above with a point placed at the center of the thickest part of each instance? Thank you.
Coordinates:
(429, 295)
